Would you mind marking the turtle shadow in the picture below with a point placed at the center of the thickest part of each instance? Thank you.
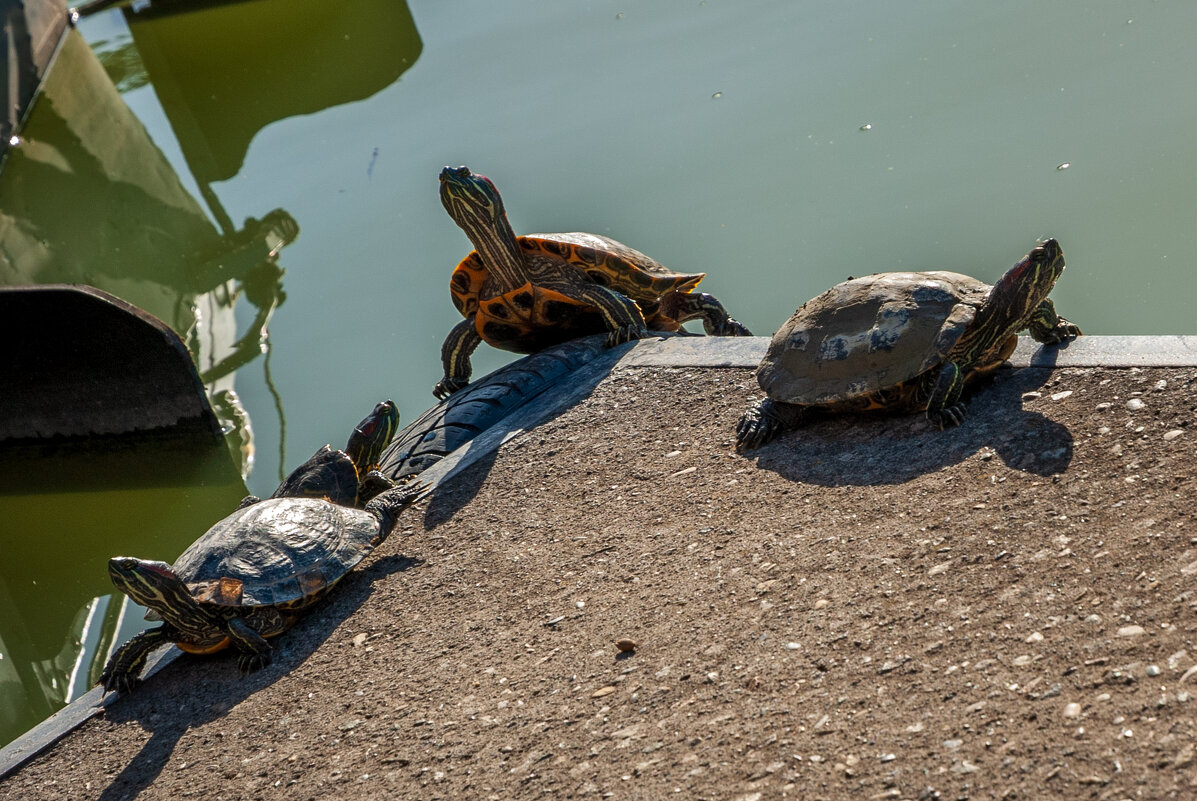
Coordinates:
(870, 450)
(459, 476)
(191, 691)
(457, 489)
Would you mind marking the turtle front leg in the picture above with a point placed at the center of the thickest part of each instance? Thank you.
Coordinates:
(256, 653)
(371, 485)
(683, 306)
(463, 339)
(944, 405)
(122, 672)
(1050, 328)
(387, 506)
(765, 419)
(621, 314)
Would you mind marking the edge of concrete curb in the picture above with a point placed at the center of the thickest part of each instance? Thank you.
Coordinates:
(673, 351)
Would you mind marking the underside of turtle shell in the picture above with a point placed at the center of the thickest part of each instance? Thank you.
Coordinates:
(867, 334)
(276, 552)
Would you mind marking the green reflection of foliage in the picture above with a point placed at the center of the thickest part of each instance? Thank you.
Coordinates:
(122, 62)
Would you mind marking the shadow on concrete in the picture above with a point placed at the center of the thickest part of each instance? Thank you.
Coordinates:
(451, 497)
(519, 397)
(869, 450)
(194, 690)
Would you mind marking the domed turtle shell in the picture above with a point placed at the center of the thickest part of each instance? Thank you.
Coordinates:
(606, 261)
(277, 552)
(869, 334)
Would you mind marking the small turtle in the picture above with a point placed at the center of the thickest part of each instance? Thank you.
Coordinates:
(251, 574)
(526, 293)
(902, 341)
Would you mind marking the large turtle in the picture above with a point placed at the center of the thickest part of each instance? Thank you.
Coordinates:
(251, 574)
(902, 341)
(526, 293)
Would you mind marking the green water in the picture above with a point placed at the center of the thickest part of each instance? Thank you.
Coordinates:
(778, 146)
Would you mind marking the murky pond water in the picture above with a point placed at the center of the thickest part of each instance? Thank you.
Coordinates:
(778, 146)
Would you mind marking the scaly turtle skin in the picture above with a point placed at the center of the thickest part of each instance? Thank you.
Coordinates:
(902, 342)
(249, 577)
(527, 293)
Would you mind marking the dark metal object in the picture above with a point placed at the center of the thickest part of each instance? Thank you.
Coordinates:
(79, 364)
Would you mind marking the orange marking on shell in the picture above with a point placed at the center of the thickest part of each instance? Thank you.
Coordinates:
(520, 315)
(229, 592)
(310, 582)
(465, 298)
(203, 649)
(204, 591)
(530, 322)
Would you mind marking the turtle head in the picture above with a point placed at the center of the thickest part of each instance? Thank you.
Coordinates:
(372, 435)
(474, 204)
(470, 199)
(1018, 293)
(155, 586)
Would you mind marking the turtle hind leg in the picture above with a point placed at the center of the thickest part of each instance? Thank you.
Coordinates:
(765, 419)
(123, 670)
(945, 408)
(683, 306)
(1050, 328)
(462, 340)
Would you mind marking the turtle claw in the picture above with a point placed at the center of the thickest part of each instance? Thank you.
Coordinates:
(1062, 332)
(119, 682)
(251, 663)
(755, 428)
(751, 433)
(948, 417)
(732, 328)
(626, 333)
(447, 386)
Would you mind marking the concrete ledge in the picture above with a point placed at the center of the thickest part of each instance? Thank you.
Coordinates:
(69, 718)
(675, 351)
(1088, 351)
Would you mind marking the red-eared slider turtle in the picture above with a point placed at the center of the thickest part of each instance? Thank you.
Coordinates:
(526, 293)
(251, 575)
(902, 341)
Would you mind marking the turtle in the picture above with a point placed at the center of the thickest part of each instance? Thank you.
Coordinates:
(249, 577)
(526, 293)
(902, 341)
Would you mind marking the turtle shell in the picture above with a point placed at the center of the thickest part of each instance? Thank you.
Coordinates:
(330, 474)
(869, 334)
(277, 552)
(537, 315)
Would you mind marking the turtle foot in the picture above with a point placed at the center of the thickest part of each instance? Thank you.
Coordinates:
(755, 429)
(371, 485)
(731, 328)
(251, 663)
(447, 386)
(1061, 332)
(119, 682)
(626, 333)
(947, 417)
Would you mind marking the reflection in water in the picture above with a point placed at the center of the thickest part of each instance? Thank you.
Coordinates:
(60, 617)
(89, 198)
(226, 72)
